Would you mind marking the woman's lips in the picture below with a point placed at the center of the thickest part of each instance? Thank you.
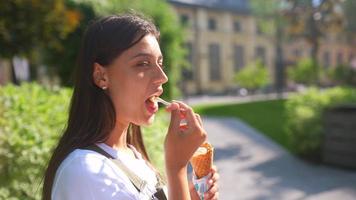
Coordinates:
(151, 105)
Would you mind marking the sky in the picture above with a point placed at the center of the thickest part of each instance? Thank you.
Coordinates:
(316, 2)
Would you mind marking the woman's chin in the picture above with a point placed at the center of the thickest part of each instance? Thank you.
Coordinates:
(148, 121)
(151, 120)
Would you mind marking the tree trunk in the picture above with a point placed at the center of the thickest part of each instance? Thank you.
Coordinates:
(314, 40)
(279, 72)
(314, 56)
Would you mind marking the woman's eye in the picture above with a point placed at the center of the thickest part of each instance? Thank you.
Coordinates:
(144, 64)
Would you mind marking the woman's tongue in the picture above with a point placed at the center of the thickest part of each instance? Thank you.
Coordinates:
(151, 105)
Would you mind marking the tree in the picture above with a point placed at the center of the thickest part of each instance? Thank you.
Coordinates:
(61, 61)
(271, 10)
(26, 26)
(312, 20)
(253, 76)
(349, 7)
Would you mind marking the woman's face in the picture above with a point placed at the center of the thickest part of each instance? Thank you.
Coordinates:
(135, 78)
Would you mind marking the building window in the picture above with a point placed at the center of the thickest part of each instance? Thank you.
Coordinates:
(239, 55)
(260, 54)
(214, 62)
(188, 73)
(211, 24)
(339, 58)
(258, 29)
(326, 59)
(184, 19)
(351, 56)
(237, 26)
(297, 53)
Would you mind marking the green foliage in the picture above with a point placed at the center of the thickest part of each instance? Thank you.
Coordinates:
(265, 8)
(31, 121)
(26, 25)
(154, 136)
(304, 72)
(343, 75)
(62, 60)
(164, 17)
(32, 118)
(50, 32)
(268, 15)
(304, 117)
(253, 76)
(350, 14)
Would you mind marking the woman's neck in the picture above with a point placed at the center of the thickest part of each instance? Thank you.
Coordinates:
(117, 137)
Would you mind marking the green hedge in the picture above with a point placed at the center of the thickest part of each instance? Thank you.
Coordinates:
(304, 118)
(30, 124)
(32, 118)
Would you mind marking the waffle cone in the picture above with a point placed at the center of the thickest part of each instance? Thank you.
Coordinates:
(202, 162)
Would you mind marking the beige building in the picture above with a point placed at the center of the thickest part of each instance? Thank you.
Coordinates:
(333, 51)
(223, 37)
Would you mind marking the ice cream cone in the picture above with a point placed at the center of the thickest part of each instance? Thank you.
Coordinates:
(202, 160)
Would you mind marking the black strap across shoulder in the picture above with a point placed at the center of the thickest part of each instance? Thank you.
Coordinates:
(135, 180)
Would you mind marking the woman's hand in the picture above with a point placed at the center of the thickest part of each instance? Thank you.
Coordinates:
(213, 192)
(182, 142)
(179, 146)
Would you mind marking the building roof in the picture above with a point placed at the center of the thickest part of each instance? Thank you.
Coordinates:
(240, 6)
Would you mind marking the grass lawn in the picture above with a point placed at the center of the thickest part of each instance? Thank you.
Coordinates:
(266, 116)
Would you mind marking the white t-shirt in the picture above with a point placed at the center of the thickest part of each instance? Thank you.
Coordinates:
(88, 175)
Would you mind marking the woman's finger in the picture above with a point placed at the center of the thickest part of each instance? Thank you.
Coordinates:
(197, 116)
(189, 115)
(213, 197)
(214, 169)
(215, 177)
(175, 115)
(211, 193)
(172, 106)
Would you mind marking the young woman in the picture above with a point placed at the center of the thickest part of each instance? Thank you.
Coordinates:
(119, 75)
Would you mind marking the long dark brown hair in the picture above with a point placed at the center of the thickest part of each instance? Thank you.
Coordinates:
(91, 113)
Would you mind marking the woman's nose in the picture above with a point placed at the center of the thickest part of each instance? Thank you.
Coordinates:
(161, 77)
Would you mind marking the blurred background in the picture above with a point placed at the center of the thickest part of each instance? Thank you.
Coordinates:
(282, 70)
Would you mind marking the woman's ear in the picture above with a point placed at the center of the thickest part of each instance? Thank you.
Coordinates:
(100, 76)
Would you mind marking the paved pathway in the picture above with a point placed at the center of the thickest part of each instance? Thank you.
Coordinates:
(253, 167)
(206, 99)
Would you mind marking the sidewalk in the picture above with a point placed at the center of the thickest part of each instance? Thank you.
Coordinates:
(252, 167)
(206, 99)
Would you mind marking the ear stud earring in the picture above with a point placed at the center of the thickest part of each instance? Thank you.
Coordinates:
(104, 87)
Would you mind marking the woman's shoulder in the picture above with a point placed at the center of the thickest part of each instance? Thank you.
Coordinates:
(81, 160)
(84, 163)
(86, 172)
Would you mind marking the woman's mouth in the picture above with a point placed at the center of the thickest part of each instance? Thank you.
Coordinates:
(152, 105)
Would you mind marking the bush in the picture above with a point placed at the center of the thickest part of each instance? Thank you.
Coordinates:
(31, 121)
(253, 76)
(343, 75)
(32, 118)
(305, 72)
(304, 118)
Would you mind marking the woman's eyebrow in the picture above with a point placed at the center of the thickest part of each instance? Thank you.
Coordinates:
(145, 55)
